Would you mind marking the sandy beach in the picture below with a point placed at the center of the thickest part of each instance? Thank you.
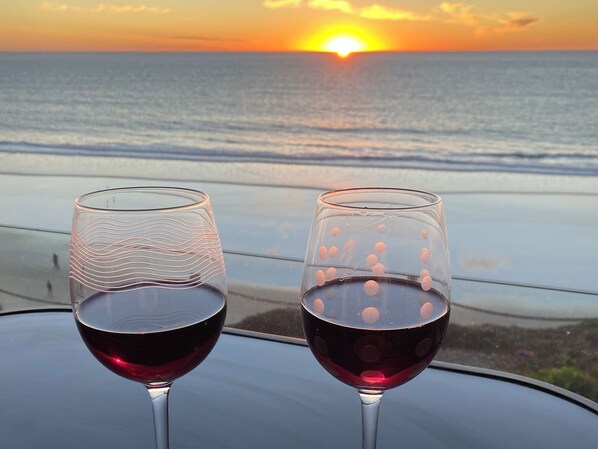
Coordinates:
(516, 228)
(505, 228)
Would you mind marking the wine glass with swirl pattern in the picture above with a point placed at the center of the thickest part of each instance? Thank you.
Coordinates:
(376, 290)
(148, 285)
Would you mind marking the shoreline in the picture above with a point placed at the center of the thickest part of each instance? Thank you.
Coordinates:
(305, 176)
(363, 162)
(527, 230)
(506, 228)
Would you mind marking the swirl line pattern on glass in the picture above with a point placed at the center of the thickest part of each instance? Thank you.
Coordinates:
(171, 252)
(149, 323)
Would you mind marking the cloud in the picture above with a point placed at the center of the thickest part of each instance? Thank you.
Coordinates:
(372, 12)
(125, 8)
(57, 7)
(461, 12)
(104, 7)
(518, 20)
(494, 23)
(275, 4)
(377, 12)
(446, 12)
(331, 5)
(207, 39)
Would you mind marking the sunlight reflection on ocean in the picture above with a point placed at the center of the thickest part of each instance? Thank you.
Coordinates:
(528, 112)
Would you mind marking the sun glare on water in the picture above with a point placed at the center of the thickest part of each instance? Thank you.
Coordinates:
(343, 45)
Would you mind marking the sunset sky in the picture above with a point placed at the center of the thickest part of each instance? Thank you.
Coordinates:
(291, 25)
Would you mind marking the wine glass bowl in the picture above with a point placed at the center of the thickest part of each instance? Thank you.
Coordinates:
(148, 284)
(376, 288)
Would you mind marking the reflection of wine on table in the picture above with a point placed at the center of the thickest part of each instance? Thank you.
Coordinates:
(374, 336)
(152, 334)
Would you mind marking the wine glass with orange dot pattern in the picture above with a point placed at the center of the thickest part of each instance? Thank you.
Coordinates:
(376, 289)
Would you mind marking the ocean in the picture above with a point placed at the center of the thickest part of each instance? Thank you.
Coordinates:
(531, 112)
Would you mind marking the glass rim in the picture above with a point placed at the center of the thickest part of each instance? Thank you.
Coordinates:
(326, 198)
(202, 199)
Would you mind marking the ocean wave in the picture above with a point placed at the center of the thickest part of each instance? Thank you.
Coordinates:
(582, 163)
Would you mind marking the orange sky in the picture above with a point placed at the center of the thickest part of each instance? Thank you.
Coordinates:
(290, 25)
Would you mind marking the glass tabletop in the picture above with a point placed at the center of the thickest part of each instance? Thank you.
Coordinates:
(256, 392)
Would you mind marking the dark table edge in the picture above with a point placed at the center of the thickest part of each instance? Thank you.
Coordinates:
(503, 376)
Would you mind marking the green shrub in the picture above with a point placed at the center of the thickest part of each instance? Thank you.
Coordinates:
(570, 378)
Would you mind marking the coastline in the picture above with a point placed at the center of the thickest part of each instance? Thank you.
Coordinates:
(536, 230)
(307, 176)
(507, 228)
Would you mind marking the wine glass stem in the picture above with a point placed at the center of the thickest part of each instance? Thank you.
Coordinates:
(370, 406)
(159, 397)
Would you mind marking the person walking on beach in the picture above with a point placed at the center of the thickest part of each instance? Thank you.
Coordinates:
(55, 262)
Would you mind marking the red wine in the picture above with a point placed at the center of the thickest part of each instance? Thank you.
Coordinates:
(374, 336)
(152, 335)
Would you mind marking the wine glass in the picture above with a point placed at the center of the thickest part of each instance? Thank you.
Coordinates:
(376, 289)
(148, 285)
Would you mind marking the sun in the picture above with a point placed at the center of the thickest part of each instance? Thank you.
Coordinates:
(343, 45)
(342, 40)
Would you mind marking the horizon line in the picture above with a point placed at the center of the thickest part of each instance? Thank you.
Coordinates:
(543, 50)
